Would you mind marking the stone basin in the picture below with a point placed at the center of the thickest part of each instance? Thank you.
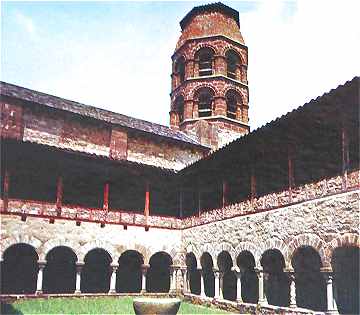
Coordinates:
(156, 306)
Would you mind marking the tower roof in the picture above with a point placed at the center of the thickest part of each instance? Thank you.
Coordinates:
(212, 7)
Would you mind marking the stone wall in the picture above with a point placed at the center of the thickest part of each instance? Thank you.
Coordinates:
(324, 223)
(25, 122)
(44, 236)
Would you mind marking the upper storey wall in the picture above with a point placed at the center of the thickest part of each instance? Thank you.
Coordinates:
(210, 24)
(30, 122)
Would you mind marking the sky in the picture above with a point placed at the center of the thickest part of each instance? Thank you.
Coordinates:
(117, 55)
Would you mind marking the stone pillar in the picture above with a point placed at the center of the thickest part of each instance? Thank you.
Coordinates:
(262, 297)
(184, 278)
(79, 266)
(173, 271)
(188, 109)
(331, 304)
(144, 269)
(217, 284)
(292, 289)
(219, 106)
(39, 282)
(221, 286)
(114, 268)
(202, 284)
(238, 286)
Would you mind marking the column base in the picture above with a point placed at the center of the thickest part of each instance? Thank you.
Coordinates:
(112, 292)
(38, 292)
(263, 303)
(333, 312)
(77, 292)
(239, 301)
(293, 305)
(143, 292)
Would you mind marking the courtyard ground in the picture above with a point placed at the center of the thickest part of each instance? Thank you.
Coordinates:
(87, 305)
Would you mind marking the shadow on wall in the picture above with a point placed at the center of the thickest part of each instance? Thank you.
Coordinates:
(7, 308)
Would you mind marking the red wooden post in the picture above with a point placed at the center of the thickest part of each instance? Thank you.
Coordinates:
(106, 197)
(225, 189)
(59, 195)
(252, 184)
(345, 155)
(290, 171)
(6, 191)
(147, 201)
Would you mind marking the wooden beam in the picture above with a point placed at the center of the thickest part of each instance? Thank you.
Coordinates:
(225, 191)
(147, 201)
(6, 191)
(59, 195)
(106, 197)
(345, 155)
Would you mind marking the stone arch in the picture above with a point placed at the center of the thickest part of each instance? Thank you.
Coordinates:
(227, 247)
(229, 47)
(347, 239)
(191, 248)
(272, 243)
(250, 247)
(50, 244)
(21, 238)
(195, 91)
(199, 46)
(208, 248)
(308, 239)
(236, 90)
(96, 244)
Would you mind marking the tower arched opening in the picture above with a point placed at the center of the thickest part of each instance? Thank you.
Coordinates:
(204, 57)
(277, 284)
(205, 99)
(193, 273)
(158, 275)
(345, 265)
(60, 271)
(95, 274)
(19, 269)
(310, 283)
(128, 278)
(233, 104)
(208, 274)
(225, 264)
(233, 64)
(179, 108)
(249, 279)
(180, 70)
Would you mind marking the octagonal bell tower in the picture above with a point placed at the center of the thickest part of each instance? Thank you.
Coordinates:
(209, 87)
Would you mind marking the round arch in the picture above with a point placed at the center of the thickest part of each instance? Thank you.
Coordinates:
(245, 260)
(207, 266)
(158, 275)
(129, 276)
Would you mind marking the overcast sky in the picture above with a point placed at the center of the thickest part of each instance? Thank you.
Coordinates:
(116, 55)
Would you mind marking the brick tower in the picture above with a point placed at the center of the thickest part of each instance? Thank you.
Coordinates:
(209, 90)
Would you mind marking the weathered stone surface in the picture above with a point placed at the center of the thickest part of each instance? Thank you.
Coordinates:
(316, 223)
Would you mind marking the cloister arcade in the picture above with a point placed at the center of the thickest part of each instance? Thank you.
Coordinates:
(298, 277)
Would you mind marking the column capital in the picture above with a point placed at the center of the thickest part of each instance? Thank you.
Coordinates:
(144, 268)
(114, 267)
(41, 264)
(79, 266)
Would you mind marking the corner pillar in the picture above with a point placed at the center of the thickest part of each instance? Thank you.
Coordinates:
(184, 279)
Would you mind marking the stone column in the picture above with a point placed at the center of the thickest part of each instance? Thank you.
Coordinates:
(292, 289)
(238, 286)
(79, 266)
(262, 297)
(144, 269)
(39, 282)
(217, 284)
(221, 286)
(173, 270)
(114, 268)
(202, 285)
(331, 304)
(184, 279)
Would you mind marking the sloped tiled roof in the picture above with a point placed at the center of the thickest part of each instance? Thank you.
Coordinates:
(29, 95)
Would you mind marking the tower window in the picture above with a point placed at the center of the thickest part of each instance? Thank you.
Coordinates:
(205, 58)
(205, 100)
(233, 62)
(180, 69)
(179, 108)
(232, 103)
